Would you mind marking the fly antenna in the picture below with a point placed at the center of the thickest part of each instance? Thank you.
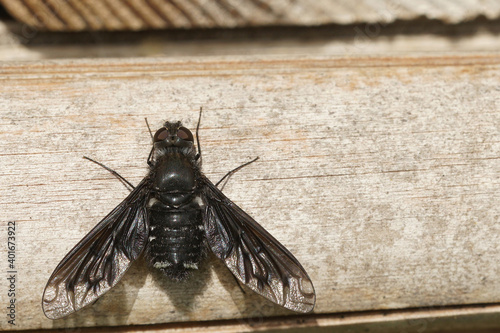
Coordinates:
(149, 129)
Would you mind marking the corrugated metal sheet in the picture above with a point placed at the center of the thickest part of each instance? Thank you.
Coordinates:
(78, 15)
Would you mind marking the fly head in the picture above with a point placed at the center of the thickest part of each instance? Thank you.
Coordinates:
(172, 138)
(173, 135)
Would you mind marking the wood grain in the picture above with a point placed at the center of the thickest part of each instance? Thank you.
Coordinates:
(380, 174)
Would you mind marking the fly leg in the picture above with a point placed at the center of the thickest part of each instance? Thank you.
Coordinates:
(230, 173)
(114, 173)
(198, 156)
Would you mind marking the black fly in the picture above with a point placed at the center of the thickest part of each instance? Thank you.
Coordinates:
(173, 215)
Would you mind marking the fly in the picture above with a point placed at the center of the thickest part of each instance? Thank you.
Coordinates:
(173, 216)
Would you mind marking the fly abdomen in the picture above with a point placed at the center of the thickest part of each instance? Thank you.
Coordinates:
(175, 239)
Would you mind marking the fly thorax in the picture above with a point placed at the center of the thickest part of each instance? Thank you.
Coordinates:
(174, 180)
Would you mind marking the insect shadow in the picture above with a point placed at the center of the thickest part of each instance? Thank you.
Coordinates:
(182, 294)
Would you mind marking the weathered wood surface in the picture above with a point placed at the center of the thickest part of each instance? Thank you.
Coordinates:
(78, 15)
(380, 174)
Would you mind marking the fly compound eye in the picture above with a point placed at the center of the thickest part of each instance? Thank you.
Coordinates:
(161, 134)
(185, 134)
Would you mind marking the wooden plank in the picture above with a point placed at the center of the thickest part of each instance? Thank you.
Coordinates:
(463, 319)
(17, 42)
(380, 174)
(80, 15)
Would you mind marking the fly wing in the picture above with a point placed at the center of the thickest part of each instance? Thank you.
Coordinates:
(100, 259)
(255, 257)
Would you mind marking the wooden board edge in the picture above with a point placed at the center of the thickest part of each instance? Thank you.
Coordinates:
(481, 318)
